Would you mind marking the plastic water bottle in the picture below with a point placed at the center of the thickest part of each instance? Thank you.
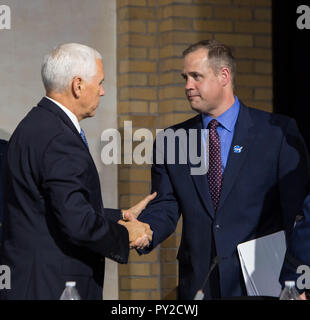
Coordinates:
(289, 292)
(70, 292)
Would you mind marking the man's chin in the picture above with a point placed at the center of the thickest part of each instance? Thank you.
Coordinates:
(89, 115)
(196, 108)
(92, 114)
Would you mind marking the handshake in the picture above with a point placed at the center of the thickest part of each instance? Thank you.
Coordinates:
(140, 234)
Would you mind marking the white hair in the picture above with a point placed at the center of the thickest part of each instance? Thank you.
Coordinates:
(66, 62)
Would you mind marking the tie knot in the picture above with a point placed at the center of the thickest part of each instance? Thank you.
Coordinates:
(213, 124)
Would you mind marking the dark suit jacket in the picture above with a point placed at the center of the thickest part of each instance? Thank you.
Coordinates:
(55, 226)
(298, 253)
(3, 147)
(263, 190)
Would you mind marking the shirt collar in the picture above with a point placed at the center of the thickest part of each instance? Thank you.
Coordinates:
(227, 119)
(71, 115)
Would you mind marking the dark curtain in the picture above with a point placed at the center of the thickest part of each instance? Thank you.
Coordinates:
(291, 64)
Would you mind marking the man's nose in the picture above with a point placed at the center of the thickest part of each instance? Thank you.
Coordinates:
(102, 91)
(188, 84)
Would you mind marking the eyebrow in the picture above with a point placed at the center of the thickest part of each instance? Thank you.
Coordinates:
(193, 73)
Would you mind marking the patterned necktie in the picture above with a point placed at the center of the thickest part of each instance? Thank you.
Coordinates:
(82, 133)
(215, 168)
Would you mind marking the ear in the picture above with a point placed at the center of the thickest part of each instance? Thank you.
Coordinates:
(225, 76)
(76, 86)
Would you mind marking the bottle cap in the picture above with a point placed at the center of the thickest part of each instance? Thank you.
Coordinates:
(290, 283)
(70, 284)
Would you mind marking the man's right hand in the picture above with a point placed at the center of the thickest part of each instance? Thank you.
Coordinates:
(140, 234)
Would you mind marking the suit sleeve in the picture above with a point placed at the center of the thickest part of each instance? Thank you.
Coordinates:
(65, 173)
(297, 253)
(3, 149)
(162, 214)
(113, 214)
(293, 175)
(294, 187)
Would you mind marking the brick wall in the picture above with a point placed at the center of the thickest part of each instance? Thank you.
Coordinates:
(151, 37)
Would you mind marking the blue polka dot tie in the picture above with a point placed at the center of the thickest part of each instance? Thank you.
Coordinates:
(82, 133)
(215, 168)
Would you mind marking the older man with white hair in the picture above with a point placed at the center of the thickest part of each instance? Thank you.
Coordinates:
(55, 226)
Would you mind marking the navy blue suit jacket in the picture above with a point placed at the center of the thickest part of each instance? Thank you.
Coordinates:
(298, 252)
(263, 190)
(3, 147)
(55, 226)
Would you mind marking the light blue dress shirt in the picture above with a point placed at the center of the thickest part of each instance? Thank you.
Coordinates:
(226, 129)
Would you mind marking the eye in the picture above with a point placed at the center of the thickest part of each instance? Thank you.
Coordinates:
(196, 76)
(184, 76)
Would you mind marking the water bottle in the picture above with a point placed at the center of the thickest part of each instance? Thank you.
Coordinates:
(289, 292)
(70, 292)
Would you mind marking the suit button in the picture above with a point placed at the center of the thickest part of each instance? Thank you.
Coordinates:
(217, 227)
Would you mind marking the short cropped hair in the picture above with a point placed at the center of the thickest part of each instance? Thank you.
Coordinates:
(66, 62)
(219, 55)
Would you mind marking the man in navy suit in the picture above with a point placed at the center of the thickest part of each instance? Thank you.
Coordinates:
(255, 185)
(55, 226)
(3, 147)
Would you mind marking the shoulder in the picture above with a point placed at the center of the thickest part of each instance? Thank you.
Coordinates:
(3, 146)
(3, 149)
(36, 132)
(265, 118)
(193, 122)
(39, 125)
(3, 143)
(44, 119)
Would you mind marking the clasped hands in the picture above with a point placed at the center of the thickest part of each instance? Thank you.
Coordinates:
(140, 234)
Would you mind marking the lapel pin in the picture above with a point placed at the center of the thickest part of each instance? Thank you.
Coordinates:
(238, 149)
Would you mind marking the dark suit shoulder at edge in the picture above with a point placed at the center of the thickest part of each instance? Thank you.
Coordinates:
(187, 123)
(46, 122)
(276, 118)
(258, 114)
(3, 142)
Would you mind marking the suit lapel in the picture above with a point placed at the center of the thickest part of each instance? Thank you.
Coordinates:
(243, 137)
(200, 181)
